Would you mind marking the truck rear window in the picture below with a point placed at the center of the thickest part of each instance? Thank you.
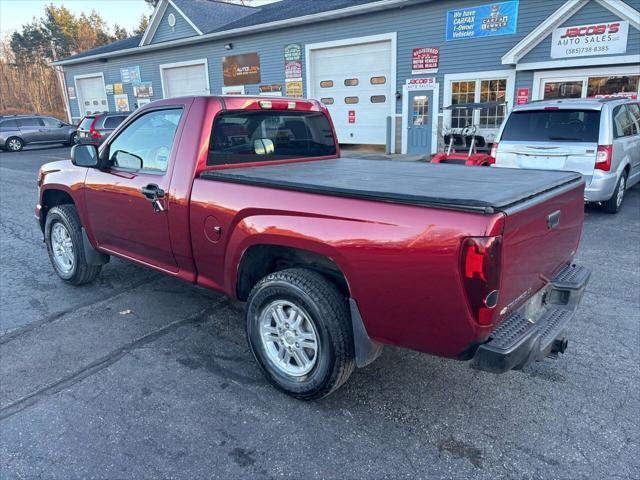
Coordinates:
(563, 125)
(256, 136)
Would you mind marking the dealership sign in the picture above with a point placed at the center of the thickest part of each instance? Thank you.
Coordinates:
(421, 83)
(499, 18)
(592, 39)
(241, 69)
(425, 60)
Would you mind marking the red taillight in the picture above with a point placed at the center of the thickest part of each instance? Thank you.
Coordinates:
(481, 260)
(92, 129)
(603, 157)
(494, 150)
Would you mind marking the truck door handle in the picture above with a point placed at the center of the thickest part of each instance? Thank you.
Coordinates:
(152, 191)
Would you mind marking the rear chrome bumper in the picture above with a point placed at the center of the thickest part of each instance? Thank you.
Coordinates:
(531, 333)
(601, 187)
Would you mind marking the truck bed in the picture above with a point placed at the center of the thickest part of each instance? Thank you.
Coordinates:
(447, 186)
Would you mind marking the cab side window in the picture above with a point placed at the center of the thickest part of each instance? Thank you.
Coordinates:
(30, 122)
(146, 143)
(8, 125)
(51, 122)
(634, 112)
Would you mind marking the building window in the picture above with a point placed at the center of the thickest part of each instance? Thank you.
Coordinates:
(351, 100)
(462, 92)
(378, 99)
(326, 84)
(327, 100)
(351, 82)
(556, 90)
(605, 86)
(493, 91)
(378, 80)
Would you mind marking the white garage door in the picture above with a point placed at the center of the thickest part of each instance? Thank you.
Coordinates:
(92, 97)
(355, 84)
(184, 80)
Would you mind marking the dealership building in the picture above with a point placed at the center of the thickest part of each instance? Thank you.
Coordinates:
(385, 69)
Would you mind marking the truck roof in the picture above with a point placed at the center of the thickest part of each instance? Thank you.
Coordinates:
(456, 187)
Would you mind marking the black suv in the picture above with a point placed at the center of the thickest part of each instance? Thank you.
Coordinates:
(94, 129)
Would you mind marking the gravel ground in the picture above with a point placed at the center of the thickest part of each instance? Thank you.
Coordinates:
(141, 376)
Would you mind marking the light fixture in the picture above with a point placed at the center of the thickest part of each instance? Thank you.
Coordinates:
(228, 46)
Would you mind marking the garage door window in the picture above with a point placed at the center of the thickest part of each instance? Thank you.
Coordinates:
(378, 80)
(351, 82)
(327, 101)
(326, 84)
(378, 99)
(351, 100)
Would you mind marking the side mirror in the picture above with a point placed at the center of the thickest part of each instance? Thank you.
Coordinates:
(84, 156)
(263, 146)
(62, 124)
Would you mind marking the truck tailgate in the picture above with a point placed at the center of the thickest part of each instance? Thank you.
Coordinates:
(539, 239)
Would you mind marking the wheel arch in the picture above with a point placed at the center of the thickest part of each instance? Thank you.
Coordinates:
(260, 259)
(52, 197)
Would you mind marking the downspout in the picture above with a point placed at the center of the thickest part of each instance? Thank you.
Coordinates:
(60, 74)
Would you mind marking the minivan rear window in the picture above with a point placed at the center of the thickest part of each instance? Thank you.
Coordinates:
(86, 122)
(113, 122)
(562, 125)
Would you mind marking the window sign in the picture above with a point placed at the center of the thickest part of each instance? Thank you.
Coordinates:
(293, 69)
(130, 75)
(588, 40)
(109, 88)
(274, 90)
(144, 90)
(118, 88)
(482, 21)
(425, 60)
(71, 91)
(294, 88)
(122, 102)
(293, 52)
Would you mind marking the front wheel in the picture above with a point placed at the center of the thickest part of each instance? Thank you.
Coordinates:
(299, 330)
(14, 144)
(614, 204)
(73, 139)
(63, 236)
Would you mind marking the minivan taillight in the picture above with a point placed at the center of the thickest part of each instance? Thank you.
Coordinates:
(494, 150)
(603, 157)
(481, 262)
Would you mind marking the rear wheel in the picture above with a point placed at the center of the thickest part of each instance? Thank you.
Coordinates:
(63, 236)
(73, 139)
(14, 144)
(299, 330)
(614, 204)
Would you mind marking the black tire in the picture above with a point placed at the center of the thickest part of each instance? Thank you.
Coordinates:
(14, 144)
(328, 310)
(73, 139)
(80, 272)
(614, 204)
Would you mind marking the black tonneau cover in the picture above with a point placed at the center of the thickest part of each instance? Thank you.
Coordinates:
(416, 183)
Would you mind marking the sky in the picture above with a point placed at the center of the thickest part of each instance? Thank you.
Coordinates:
(126, 13)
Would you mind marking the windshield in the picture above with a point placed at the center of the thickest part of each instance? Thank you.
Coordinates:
(553, 125)
(257, 136)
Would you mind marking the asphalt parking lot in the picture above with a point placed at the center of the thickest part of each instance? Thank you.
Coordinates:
(141, 376)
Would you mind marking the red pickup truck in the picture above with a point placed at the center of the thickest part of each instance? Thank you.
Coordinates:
(334, 256)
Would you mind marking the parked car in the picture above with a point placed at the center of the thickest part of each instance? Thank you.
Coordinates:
(95, 129)
(334, 256)
(16, 131)
(599, 138)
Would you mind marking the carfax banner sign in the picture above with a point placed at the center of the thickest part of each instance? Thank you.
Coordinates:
(483, 21)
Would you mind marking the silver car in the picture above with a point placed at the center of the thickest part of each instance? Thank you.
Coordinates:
(599, 138)
(16, 131)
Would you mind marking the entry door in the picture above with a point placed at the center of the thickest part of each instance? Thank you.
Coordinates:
(122, 218)
(420, 122)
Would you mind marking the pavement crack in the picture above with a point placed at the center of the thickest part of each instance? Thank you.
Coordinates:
(18, 332)
(100, 364)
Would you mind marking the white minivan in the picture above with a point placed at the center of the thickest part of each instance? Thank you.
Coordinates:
(599, 138)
